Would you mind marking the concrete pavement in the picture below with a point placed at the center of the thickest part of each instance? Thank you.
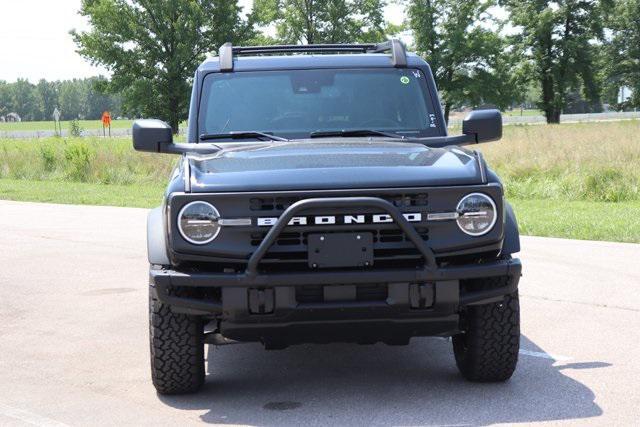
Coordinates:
(74, 350)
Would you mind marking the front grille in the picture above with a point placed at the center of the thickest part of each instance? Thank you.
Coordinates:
(271, 203)
(300, 238)
(281, 203)
(390, 243)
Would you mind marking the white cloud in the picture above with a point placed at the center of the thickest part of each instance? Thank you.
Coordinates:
(35, 41)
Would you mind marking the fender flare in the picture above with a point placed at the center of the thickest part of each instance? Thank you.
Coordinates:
(511, 243)
(156, 242)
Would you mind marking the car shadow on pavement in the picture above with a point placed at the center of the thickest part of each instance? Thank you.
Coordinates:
(350, 384)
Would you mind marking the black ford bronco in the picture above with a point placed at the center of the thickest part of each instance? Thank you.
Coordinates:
(319, 199)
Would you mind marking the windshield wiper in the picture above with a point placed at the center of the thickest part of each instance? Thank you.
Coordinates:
(354, 132)
(241, 135)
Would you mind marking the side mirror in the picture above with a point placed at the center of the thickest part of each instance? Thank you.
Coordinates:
(486, 125)
(155, 136)
(151, 135)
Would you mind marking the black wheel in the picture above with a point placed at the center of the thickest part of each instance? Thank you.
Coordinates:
(177, 349)
(487, 350)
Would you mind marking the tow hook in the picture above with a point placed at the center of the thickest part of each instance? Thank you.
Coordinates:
(261, 301)
(421, 295)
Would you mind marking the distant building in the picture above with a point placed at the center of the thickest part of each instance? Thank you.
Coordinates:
(12, 117)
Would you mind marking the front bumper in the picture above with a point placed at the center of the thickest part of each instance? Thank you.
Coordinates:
(164, 280)
(265, 307)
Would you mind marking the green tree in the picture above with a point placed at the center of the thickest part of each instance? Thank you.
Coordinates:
(25, 99)
(77, 98)
(6, 100)
(47, 99)
(462, 44)
(622, 59)
(557, 38)
(72, 99)
(152, 47)
(323, 21)
(98, 100)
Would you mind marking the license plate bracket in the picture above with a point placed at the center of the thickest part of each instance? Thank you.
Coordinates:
(334, 250)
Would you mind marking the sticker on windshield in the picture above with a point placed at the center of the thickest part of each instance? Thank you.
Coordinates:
(404, 80)
(432, 120)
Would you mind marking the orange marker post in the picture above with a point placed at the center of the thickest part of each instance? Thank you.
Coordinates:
(106, 122)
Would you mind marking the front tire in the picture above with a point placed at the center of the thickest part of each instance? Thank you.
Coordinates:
(177, 349)
(487, 351)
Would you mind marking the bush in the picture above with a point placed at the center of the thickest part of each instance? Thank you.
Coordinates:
(610, 185)
(74, 128)
(48, 155)
(78, 158)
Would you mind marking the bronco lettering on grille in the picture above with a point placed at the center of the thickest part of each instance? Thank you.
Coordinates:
(340, 219)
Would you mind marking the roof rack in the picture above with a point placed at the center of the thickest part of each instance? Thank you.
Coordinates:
(396, 47)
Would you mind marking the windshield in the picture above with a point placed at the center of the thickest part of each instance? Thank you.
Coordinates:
(296, 103)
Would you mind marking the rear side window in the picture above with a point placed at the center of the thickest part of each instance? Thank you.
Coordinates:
(294, 103)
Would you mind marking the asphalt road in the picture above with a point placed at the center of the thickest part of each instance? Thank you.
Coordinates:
(73, 343)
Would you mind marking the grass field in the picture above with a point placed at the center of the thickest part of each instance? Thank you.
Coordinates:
(81, 193)
(579, 220)
(578, 161)
(574, 180)
(48, 125)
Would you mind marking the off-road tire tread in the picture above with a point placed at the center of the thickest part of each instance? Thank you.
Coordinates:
(177, 349)
(488, 350)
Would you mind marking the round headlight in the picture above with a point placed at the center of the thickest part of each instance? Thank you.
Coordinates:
(476, 214)
(198, 222)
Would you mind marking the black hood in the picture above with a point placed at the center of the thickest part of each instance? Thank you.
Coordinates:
(332, 164)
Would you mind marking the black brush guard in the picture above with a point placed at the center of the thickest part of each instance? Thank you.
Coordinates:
(165, 279)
